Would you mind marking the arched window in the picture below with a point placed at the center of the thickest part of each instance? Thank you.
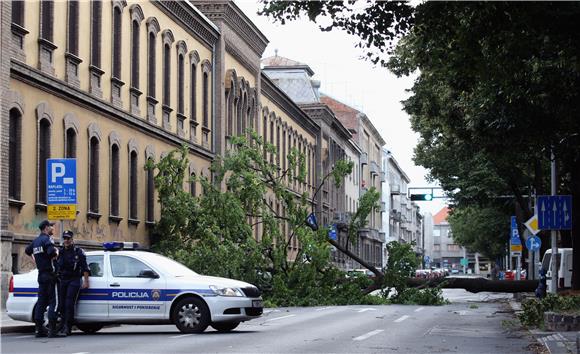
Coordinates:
(117, 32)
(73, 27)
(14, 154)
(133, 173)
(150, 194)
(180, 84)
(265, 133)
(47, 15)
(278, 147)
(135, 54)
(70, 149)
(151, 52)
(205, 92)
(18, 12)
(94, 175)
(96, 13)
(114, 173)
(193, 92)
(43, 155)
(166, 74)
(272, 140)
(192, 184)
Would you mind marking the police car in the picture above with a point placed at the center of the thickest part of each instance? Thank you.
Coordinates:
(130, 286)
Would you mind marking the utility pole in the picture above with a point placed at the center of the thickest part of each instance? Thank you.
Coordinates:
(554, 233)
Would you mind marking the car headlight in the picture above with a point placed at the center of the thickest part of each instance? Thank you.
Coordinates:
(226, 291)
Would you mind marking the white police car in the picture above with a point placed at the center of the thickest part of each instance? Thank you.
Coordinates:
(143, 287)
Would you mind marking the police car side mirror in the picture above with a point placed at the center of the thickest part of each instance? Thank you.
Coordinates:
(148, 273)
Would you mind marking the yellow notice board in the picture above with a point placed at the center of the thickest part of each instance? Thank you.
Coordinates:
(516, 248)
(62, 212)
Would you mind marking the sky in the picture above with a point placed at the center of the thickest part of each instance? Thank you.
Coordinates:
(344, 76)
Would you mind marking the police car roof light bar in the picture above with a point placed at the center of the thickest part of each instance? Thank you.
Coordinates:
(117, 246)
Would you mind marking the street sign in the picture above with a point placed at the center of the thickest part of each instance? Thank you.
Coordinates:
(554, 212)
(61, 181)
(332, 232)
(533, 243)
(427, 259)
(515, 235)
(464, 261)
(61, 189)
(312, 222)
(532, 225)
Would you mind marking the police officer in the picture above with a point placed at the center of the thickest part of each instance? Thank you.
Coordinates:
(44, 253)
(72, 264)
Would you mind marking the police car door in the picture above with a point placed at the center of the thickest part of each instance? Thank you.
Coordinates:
(135, 289)
(93, 302)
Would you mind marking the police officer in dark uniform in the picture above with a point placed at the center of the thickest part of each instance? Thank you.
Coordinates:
(44, 253)
(72, 265)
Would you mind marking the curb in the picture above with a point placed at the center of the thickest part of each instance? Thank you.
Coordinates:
(17, 329)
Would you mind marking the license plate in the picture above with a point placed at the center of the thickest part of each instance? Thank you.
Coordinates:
(257, 303)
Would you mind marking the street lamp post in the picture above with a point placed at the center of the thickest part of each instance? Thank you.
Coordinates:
(554, 233)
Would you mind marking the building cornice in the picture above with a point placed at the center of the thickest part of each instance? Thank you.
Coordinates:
(230, 14)
(253, 67)
(48, 83)
(324, 113)
(276, 95)
(196, 24)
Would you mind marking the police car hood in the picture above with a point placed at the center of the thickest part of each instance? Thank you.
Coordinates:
(209, 280)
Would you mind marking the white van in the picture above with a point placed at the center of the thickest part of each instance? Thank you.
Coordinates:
(564, 262)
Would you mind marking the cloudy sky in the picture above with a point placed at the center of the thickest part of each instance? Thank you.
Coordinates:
(346, 77)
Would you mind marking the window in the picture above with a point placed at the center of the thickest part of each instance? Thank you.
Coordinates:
(133, 186)
(453, 248)
(278, 145)
(151, 65)
(14, 153)
(150, 194)
(73, 27)
(96, 33)
(436, 247)
(114, 192)
(94, 175)
(117, 25)
(180, 83)
(70, 149)
(166, 73)
(265, 134)
(205, 92)
(127, 267)
(135, 54)
(96, 265)
(193, 92)
(47, 13)
(192, 185)
(43, 154)
(18, 12)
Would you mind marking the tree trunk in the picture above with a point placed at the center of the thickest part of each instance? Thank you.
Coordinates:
(476, 285)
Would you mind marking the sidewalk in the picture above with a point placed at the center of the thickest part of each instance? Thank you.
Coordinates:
(9, 325)
(555, 342)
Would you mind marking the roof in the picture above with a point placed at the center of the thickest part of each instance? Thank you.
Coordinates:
(441, 216)
(279, 62)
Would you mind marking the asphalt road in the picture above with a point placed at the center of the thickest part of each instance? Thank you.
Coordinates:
(463, 327)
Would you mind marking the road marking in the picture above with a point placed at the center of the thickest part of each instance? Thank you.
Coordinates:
(82, 353)
(324, 308)
(420, 309)
(279, 318)
(27, 336)
(368, 335)
(183, 335)
(367, 309)
(402, 318)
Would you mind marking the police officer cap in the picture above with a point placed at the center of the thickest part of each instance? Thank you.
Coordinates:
(67, 234)
(44, 224)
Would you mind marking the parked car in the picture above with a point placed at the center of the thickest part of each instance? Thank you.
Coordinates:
(130, 286)
(564, 266)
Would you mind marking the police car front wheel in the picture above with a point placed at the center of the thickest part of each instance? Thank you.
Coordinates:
(191, 315)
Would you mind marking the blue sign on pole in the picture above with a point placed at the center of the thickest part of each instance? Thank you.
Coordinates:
(312, 222)
(515, 235)
(332, 232)
(61, 181)
(533, 243)
(554, 212)
(427, 259)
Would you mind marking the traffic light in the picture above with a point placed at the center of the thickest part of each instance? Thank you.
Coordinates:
(426, 197)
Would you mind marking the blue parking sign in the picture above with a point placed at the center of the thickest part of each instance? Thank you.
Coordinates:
(61, 181)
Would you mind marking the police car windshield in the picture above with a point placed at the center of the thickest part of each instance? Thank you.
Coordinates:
(169, 266)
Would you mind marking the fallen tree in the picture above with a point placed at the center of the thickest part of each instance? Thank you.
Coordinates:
(475, 285)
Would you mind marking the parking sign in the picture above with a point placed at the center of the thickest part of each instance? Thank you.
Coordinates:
(61, 188)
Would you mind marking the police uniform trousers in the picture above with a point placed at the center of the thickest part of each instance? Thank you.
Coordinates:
(47, 288)
(69, 292)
